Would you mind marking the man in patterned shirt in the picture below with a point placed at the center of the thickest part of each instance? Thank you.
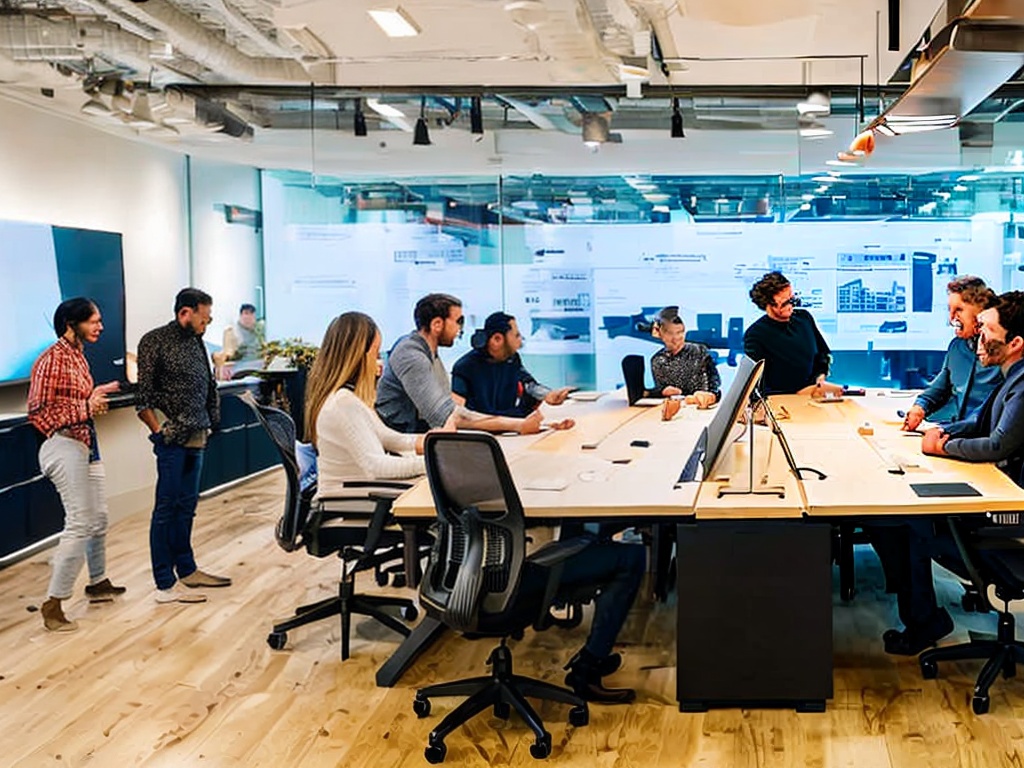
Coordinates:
(683, 368)
(177, 400)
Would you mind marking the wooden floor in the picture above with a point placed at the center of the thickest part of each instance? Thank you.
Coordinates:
(142, 684)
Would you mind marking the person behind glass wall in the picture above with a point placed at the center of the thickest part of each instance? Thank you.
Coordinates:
(796, 356)
(492, 379)
(415, 393)
(178, 401)
(682, 367)
(242, 343)
(963, 383)
(62, 402)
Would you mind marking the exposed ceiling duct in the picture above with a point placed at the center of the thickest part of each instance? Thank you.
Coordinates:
(965, 62)
(199, 43)
(64, 39)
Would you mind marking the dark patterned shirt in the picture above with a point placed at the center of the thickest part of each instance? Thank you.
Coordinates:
(692, 370)
(175, 378)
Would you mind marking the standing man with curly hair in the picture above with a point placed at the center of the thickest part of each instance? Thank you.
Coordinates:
(796, 355)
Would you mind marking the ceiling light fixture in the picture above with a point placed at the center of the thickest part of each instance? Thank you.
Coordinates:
(421, 136)
(817, 104)
(359, 119)
(677, 121)
(476, 117)
(395, 22)
(595, 129)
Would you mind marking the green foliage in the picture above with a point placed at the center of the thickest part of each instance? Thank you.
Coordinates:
(298, 353)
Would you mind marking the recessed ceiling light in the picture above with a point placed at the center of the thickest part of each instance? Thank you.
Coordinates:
(395, 22)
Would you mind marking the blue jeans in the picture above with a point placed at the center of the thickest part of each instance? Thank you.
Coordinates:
(177, 493)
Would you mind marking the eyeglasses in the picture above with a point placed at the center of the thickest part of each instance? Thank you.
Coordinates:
(793, 300)
(461, 321)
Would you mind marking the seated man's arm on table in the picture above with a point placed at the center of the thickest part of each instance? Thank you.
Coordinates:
(932, 399)
(1004, 441)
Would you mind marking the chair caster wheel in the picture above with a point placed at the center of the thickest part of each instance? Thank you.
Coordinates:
(502, 710)
(276, 640)
(579, 716)
(541, 748)
(398, 580)
(980, 704)
(422, 708)
(409, 612)
(929, 670)
(435, 752)
(381, 577)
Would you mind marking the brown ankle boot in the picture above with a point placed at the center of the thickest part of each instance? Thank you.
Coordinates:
(53, 617)
(103, 591)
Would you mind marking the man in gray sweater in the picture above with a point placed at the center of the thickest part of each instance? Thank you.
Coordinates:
(415, 393)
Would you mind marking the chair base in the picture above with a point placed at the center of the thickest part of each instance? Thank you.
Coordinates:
(1002, 653)
(344, 605)
(503, 690)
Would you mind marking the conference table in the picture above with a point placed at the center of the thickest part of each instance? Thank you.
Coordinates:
(754, 572)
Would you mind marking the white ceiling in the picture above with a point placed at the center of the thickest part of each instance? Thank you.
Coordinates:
(489, 44)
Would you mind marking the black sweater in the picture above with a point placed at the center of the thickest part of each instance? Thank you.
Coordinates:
(794, 352)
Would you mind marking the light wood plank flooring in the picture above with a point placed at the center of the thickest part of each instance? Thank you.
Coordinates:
(142, 684)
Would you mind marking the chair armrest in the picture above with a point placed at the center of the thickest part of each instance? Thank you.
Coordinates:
(556, 552)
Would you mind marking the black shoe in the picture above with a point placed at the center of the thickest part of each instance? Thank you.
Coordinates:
(585, 679)
(605, 666)
(912, 640)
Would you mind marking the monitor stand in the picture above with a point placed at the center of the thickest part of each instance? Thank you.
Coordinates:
(762, 488)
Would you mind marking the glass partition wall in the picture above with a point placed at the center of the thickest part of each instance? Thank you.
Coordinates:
(585, 262)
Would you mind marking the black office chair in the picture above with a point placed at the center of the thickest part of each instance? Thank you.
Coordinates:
(992, 555)
(633, 373)
(480, 582)
(354, 527)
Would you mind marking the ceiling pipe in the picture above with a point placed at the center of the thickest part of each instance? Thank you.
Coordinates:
(192, 39)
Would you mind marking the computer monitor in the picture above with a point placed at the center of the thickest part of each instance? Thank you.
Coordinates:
(721, 430)
(715, 437)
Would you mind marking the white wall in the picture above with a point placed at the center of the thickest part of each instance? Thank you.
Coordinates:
(227, 259)
(56, 171)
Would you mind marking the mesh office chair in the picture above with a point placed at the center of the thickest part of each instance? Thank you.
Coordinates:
(480, 582)
(993, 555)
(352, 527)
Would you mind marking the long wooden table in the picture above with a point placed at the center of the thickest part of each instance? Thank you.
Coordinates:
(754, 571)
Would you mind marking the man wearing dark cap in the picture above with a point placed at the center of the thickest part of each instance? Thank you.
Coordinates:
(491, 378)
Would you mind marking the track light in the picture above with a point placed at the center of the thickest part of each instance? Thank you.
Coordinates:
(677, 121)
(421, 136)
(476, 117)
(359, 120)
(595, 129)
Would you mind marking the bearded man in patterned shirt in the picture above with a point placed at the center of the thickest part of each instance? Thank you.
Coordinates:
(177, 400)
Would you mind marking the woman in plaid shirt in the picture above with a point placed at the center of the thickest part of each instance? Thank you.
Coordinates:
(62, 402)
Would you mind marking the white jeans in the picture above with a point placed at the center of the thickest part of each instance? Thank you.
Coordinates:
(82, 490)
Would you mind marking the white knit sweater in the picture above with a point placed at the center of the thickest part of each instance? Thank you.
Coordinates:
(353, 444)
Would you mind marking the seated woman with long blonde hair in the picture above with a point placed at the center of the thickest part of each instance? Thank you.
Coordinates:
(351, 440)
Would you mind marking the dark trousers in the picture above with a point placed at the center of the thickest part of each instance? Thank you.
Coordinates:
(616, 570)
(906, 548)
(170, 529)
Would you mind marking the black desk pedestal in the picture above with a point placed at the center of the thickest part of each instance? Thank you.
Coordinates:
(755, 615)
